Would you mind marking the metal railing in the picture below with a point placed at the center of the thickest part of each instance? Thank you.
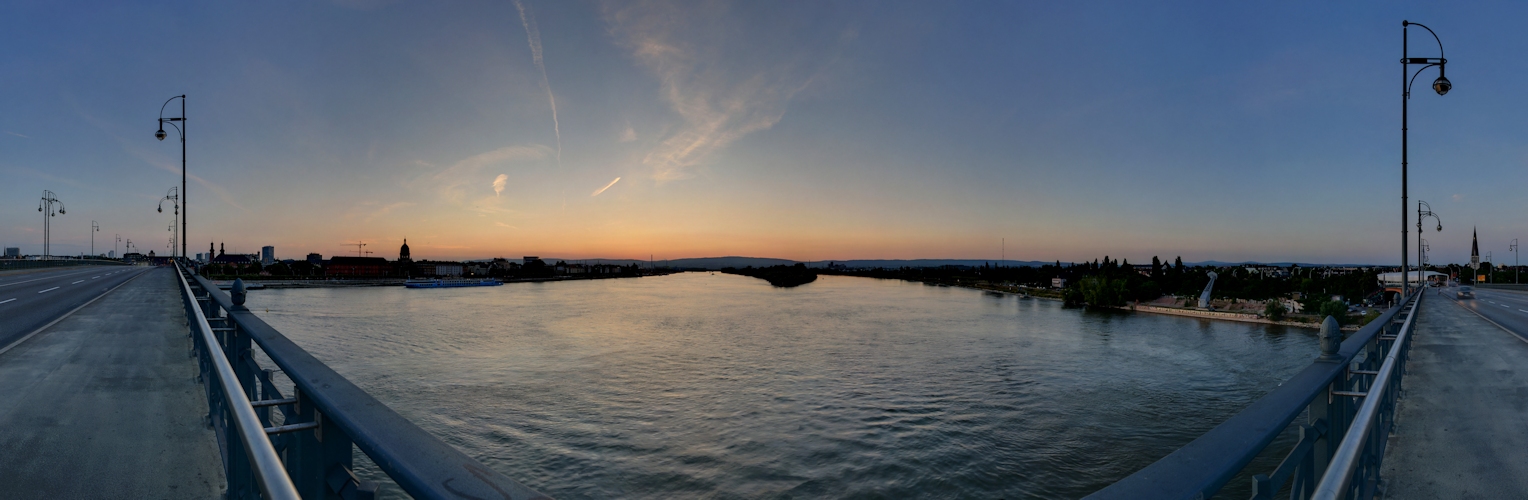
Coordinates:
(1327, 392)
(1354, 470)
(317, 428)
(217, 375)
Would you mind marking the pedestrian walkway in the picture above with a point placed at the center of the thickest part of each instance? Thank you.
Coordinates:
(1462, 427)
(105, 404)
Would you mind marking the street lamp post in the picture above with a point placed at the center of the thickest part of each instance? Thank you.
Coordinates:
(1513, 248)
(172, 196)
(46, 207)
(161, 135)
(94, 228)
(1423, 247)
(1423, 214)
(1441, 86)
(114, 253)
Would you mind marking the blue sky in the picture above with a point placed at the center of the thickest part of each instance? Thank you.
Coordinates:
(801, 130)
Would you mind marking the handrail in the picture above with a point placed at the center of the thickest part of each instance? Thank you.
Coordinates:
(268, 469)
(1339, 475)
(1203, 466)
(420, 463)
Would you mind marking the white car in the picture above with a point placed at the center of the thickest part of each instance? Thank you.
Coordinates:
(1465, 292)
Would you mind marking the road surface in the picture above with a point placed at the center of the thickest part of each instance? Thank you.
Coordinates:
(30, 300)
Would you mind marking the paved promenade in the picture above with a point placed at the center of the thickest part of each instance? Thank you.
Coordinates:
(1462, 430)
(105, 404)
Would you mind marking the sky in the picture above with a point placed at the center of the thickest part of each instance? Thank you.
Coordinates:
(824, 130)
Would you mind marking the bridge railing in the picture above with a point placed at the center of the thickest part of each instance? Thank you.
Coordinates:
(317, 428)
(1355, 466)
(1329, 392)
(249, 459)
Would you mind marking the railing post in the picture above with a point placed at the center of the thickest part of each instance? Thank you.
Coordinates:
(1325, 410)
(314, 456)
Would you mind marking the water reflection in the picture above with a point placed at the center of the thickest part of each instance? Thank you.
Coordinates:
(721, 385)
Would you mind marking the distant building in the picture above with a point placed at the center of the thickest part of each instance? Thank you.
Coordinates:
(268, 255)
(226, 259)
(315, 259)
(403, 252)
(1058, 282)
(12, 252)
(358, 266)
(440, 269)
(529, 259)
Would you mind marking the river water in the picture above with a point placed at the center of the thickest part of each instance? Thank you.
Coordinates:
(721, 386)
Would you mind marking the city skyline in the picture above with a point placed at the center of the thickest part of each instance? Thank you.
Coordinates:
(807, 132)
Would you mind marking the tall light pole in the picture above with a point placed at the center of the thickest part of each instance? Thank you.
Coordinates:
(1513, 248)
(1423, 214)
(1441, 86)
(172, 196)
(1423, 247)
(114, 253)
(46, 207)
(182, 129)
(94, 228)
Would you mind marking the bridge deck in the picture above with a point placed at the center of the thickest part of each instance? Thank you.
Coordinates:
(1462, 427)
(104, 404)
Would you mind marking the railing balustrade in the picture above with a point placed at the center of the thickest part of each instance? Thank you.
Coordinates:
(324, 420)
(1332, 392)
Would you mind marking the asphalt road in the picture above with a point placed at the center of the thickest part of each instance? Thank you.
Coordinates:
(1506, 308)
(29, 300)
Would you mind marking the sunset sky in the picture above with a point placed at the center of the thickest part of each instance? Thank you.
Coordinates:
(798, 130)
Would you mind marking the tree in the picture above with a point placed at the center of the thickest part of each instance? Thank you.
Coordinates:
(1274, 310)
(1335, 309)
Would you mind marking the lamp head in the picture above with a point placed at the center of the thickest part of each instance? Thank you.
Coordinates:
(160, 134)
(160, 209)
(1442, 85)
(1440, 227)
(61, 211)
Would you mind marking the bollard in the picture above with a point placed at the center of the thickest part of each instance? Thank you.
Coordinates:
(1331, 339)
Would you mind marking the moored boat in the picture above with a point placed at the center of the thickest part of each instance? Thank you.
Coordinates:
(450, 283)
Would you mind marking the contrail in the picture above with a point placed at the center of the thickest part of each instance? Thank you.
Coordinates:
(533, 36)
(607, 186)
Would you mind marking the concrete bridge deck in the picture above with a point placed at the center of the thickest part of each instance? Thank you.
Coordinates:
(1462, 425)
(105, 403)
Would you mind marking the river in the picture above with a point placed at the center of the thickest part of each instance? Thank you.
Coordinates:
(721, 386)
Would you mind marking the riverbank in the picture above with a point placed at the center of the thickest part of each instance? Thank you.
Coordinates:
(257, 282)
(1052, 294)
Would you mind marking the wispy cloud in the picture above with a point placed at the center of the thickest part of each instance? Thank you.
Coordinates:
(607, 186)
(455, 182)
(628, 135)
(18, 135)
(498, 184)
(716, 72)
(533, 37)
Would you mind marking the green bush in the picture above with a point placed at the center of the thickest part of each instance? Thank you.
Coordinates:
(1274, 310)
(1335, 309)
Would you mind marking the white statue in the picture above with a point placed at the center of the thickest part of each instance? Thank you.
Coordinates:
(1204, 298)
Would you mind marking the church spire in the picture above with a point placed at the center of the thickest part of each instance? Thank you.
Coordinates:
(1474, 249)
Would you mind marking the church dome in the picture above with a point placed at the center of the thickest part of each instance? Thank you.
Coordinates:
(403, 253)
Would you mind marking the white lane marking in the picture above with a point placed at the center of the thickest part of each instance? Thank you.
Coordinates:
(49, 290)
(78, 282)
(1523, 310)
(6, 300)
(94, 277)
